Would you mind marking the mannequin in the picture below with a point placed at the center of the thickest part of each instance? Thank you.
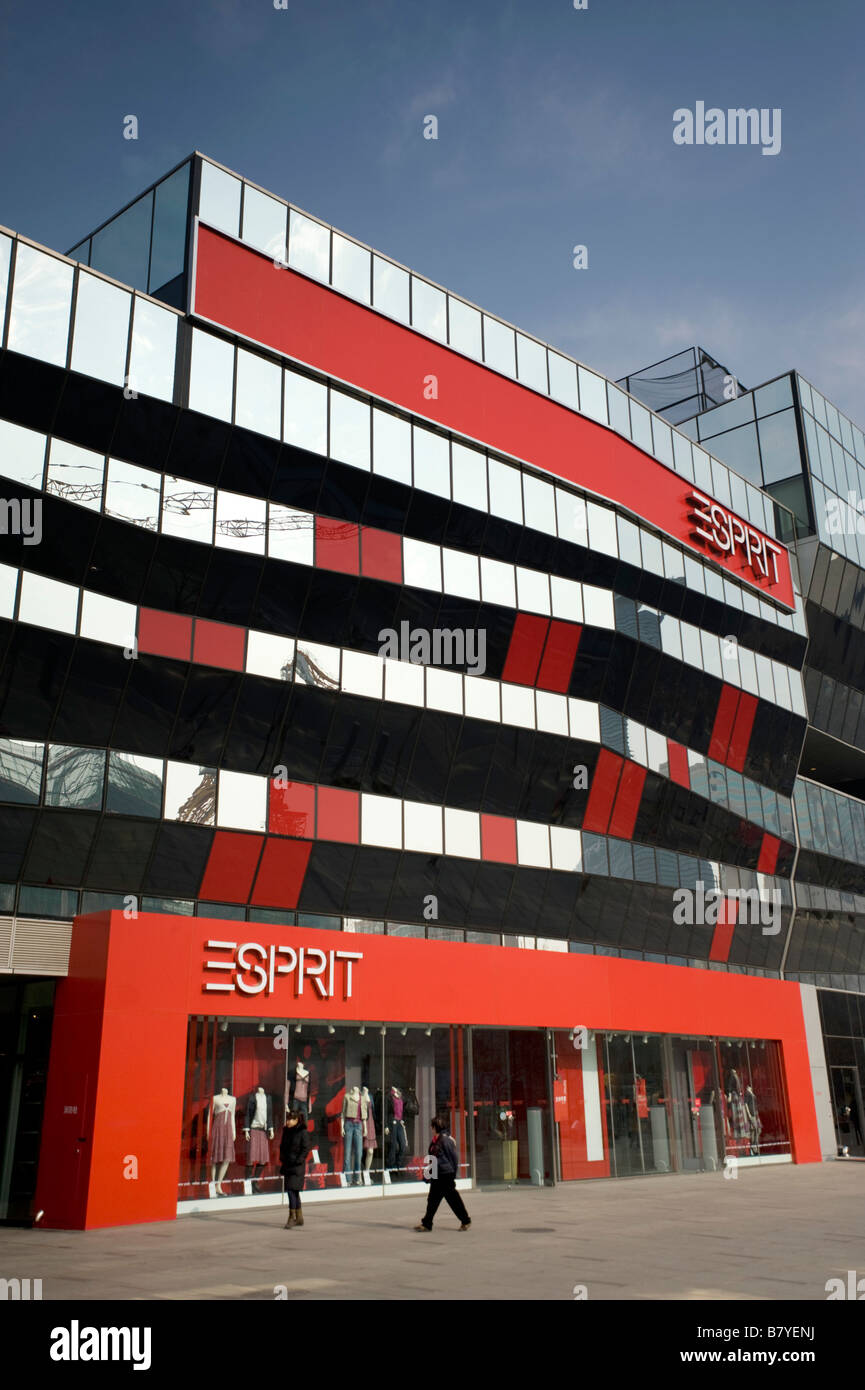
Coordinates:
(355, 1114)
(221, 1134)
(398, 1146)
(299, 1089)
(368, 1131)
(257, 1131)
(737, 1117)
(753, 1118)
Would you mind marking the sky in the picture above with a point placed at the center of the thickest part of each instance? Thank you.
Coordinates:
(555, 129)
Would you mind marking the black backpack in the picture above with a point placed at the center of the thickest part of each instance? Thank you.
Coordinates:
(410, 1107)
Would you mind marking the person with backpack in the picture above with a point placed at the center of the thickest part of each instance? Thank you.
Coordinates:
(442, 1184)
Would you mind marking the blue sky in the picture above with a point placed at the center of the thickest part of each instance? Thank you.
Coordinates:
(555, 128)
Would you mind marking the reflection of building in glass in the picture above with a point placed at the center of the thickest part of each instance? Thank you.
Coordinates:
(200, 806)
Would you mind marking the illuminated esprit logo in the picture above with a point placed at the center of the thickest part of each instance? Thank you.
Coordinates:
(255, 969)
(723, 531)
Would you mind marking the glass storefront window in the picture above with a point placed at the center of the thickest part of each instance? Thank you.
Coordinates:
(510, 1106)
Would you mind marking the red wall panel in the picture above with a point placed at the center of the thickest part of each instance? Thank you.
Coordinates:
(602, 793)
(291, 810)
(219, 644)
(725, 716)
(557, 664)
(231, 867)
(768, 859)
(381, 554)
(499, 839)
(677, 757)
(337, 545)
(741, 735)
(338, 815)
(280, 876)
(164, 634)
(524, 652)
(627, 802)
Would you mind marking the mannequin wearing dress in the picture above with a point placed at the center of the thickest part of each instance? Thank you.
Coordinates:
(368, 1133)
(221, 1134)
(257, 1131)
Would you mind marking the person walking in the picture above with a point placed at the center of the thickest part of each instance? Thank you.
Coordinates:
(442, 1184)
(294, 1147)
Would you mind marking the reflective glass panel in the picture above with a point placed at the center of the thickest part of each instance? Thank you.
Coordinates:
(48, 603)
(75, 777)
(211, 375)
(305, 413)
(187, 510)
(108, 620)
(421, 564)
(22, 454)
(8, 591)
(264, 222)
(75, 474)
(432, 464)
(291, 534)
(241, 522)
(351, 273)
(219, 201)
(381, 821)
(499, 346)
(242, 801)
(349, 430)
(154, 343)
(641, 426)
(267, 655)
(317, 664)
(593, 395)
(362, 674)
(390, 289)
(539, 499)
(506, 493)
(563, 379)
(775, 396)
(134, 785)
(620, 415)
(498, 583)
(779, 446)
(308, 246)
(461, 574)
(465, 327)
(428, 309)
(133, 494)
(168, 251)
(21, 771)
(190, 793)
(532, 363)
(41, 297)
(469, 477)
(5, 258)
(122, 248)
(403, 682)
(259, 394)
(391, 446)
(101, 329)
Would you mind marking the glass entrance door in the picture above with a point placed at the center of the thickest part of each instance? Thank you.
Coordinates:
(847, 1106)
(696, 1105)
(511, 1106)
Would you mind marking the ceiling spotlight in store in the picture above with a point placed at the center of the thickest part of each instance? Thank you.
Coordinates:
(362, 1029)
(645, 1037)
(330, 1028)
(261, 1025)
(626, 1038)
(383, 1031)
(404, 1029)
(297, 1028)
(223, 1027)
(428, 1031)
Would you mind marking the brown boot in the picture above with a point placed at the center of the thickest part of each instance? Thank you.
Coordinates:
(290, 1221)
(298, 1217)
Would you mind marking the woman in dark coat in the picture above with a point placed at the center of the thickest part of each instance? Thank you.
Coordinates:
(293, 1149)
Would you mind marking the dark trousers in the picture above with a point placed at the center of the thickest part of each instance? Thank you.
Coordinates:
(444, 1189)
(293, 1199)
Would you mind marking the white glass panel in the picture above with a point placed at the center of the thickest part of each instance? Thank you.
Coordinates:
(533, 844)
(563, 379)
(305, 413)
(317, 664)
(241, 522)
(422, 564)
(381, 821)
(362, 674)
(242, 801)
(423, 827)
(498, 583)
(432, 465)
(108, 620)
(641, 426)
(5, 259)
(602, 529)
(101, 330)
(133, 494)
(533, 591)
(663, 441)
(349, 430)
(444, 690)
(22, 455)
(264, 223)
(391, 446)
(461, 574)
(41, 299)
(403, 683)
(656, 751)
(532, 363)
(290, 535)
(308, 246)
(671, 637)
(635, 742)
(552, 712)
(75, 474)
(598, 606)
(653, 558)
(593, 396)
(48, 603)
(748, 670)
(573, 517)
(539, 500)
(566, 848)
(465, 327)
(567, 599)
(271, 656)
(765, 682)
(187, 510)
(428, 309)
(506, 493)
(219, 203)
(462, 834)
(470, 477)
(351, 274)
(8, 590)
(518, 706)
(390, 289)
(585, 720)
(259, 394)
(190, 793)
(482, 699)
(691, 649)
(211, 375)
(499, 347)
(711, 654)
(154, 346)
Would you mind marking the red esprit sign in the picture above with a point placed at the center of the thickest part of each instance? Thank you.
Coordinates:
(727, 535)
(251, 968)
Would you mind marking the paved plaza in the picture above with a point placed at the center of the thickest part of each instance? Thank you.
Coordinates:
(770, 1233)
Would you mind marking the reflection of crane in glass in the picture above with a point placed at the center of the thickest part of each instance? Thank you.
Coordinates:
(199, 808)
(75, 492)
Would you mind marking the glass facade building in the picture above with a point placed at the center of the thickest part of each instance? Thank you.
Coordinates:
(336, 604)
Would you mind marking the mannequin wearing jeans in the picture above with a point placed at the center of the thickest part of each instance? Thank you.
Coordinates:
(355, 1111)
(397, 1142)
